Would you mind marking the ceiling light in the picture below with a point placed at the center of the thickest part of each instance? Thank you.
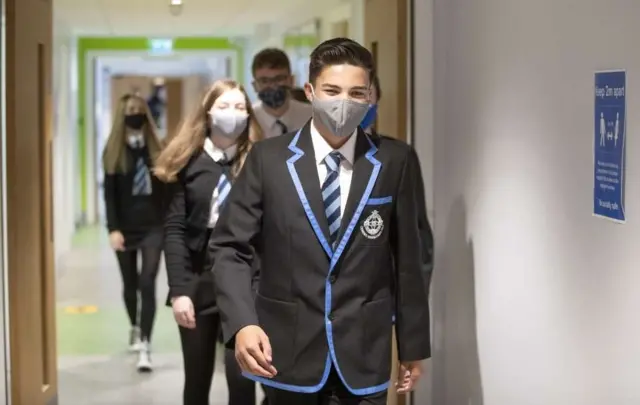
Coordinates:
(175, 7)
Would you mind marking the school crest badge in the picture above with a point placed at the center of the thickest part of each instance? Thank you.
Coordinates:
(372, 226)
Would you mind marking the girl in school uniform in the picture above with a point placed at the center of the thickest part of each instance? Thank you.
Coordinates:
(201, 162)
(134, 200)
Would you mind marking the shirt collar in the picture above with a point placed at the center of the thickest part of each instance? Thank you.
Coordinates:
(218, 154)
(322, 148)
(135, 140)
(270, 120)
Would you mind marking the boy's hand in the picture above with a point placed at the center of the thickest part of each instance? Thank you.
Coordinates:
(253, 352)
(408, 376)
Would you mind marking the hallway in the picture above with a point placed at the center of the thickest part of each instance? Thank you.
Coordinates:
(94, 365)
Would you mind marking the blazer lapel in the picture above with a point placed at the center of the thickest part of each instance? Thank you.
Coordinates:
(210, 169)
(304, 173)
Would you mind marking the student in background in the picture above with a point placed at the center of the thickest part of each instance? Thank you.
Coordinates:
(134, 200)
(157, 101)
(202, 162)
(277, 112)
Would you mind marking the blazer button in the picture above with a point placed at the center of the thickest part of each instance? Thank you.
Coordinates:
(332, 278)
(331, 316)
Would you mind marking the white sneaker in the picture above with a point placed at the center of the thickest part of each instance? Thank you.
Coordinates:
(144, 358)
(135, 344)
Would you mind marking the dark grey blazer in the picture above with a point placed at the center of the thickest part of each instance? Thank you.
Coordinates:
(324, 308)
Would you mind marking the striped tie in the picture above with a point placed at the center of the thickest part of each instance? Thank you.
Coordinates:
(331, 195)
(223, 187)
(141, 179)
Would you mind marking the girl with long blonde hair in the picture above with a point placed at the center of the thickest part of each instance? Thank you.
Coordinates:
(202, 161)
(134, 200)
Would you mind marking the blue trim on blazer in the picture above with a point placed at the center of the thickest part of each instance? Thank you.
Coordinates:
(303, 198)
(294, 388)
(380, 200)
(335, 257)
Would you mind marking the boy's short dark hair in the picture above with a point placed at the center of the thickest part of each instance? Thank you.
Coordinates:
(270, 58)
(338, 51)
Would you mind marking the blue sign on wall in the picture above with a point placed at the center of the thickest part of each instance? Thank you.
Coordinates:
(609, 145)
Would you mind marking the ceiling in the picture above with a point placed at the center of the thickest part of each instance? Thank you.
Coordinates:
(224, 18)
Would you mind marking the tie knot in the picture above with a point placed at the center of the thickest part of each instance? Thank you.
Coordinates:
(333, 160)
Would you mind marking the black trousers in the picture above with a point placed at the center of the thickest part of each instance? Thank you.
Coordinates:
(199, 355)
(143, 281)
(333, 393)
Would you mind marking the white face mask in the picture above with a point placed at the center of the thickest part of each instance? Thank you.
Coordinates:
(340, 116)
(229, 122)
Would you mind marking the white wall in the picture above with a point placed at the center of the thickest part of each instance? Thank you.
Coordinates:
(103, 119)
(64, 142)
(535, 300)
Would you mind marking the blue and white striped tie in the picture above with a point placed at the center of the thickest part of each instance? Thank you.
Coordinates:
(141, 179)
(223, 187)
(331, 195)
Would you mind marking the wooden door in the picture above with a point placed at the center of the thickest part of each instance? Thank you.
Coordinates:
(29, 217)
(386, 35)
(174, 88)
(121, 85)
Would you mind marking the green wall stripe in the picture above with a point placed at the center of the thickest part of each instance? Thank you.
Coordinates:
(91, 44)
(300, 41)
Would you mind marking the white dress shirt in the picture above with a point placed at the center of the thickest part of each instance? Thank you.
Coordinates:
(322, 149)
(294, 118)
(136, 140)
(217, 155)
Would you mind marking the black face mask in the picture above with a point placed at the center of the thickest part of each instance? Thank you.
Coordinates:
(135, 121)
(274, 97)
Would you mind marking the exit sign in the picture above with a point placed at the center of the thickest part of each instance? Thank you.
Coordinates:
(161, 45)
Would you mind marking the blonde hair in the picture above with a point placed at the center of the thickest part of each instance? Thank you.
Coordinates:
(189, 140)
(114, 158)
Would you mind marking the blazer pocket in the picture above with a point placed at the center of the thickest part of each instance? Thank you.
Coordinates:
(377, 317)
(380, 200)
(279, 320)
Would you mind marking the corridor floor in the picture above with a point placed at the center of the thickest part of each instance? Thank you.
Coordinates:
(94, 365)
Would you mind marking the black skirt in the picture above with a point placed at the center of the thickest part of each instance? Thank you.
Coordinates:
(134, 240)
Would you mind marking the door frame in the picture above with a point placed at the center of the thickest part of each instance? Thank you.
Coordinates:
(5, 353)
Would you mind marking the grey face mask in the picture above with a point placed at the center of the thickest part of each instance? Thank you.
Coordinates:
(340, 116)
(228, 123)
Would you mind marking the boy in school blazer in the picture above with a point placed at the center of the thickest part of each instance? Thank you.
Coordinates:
(334, 270)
